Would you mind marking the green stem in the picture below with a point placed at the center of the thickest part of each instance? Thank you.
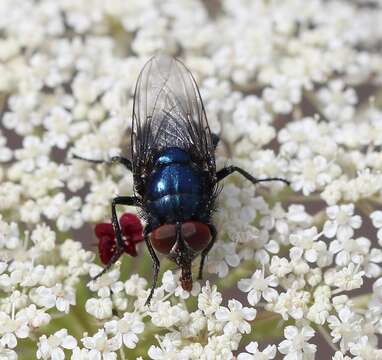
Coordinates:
(365, 207)
(312, 100)
(79, 311)
(319, 218)
(362, 301)
(376, 200)
(325, 334)
(303, 199)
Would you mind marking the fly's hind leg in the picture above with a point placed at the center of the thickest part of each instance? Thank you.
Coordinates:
(207, 250)
(223, 173)
(120, 200)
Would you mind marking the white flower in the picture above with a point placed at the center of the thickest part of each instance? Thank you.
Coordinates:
(222, 346)
(338, 102)
(340, 356)
(284, 222)
(97, 202)
(44, 237)
(240, 204)
(52, 347)
(58, 126)
(9, 235)
(305, 243)
(209, 299)
(292, 303)
(319, 311)
(36, 317)
(15, 301)
(221, 256)
(5, 152)
(235, 317)
(257, 245)
(81, 354)
(312, 174)
(75, 256)
(135, 285)
(363, 350)
(9, 195)
(65, 212)
(346, 327)
(107, 283)
(251, 108)
(283, 94)
(371, 263)
(255, 354)
(128, 327)
(25, 273)
(163, 314)
(169, 281)
(43, 296)
(258, 287)
(34, 153)
(342, 221)
(102, 347)
(43, 181)
(7, 354)
(168, 349)
(280, 266)
(65, 297)
(348, 278)
(376, 217)
(12, 328)
(30, 212)
(296, 344)
(195, 325)
(298, 137)
(100, 308)
(171, 284)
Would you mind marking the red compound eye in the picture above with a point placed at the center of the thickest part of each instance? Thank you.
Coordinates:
(163, 238)
(197, 235)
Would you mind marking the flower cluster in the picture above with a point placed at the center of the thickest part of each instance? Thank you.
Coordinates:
(293, 90)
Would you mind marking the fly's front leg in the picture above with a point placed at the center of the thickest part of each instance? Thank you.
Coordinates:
(156, 263)
(207, 250)
(223, 173)
(113, 160)
(120, 200)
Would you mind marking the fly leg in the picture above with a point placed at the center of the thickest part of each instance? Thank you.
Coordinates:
(207, 250)
(120, 200)
(156, 263)
(221, 174)
(113, 160)
(215, 140)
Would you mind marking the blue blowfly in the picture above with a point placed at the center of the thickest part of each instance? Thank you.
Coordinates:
(174, 170)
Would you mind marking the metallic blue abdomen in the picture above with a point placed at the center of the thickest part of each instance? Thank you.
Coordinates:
(175, 189)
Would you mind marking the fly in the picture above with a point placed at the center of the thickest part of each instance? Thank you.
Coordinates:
(174, 170)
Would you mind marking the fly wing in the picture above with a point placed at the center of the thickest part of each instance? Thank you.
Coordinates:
(168, 112)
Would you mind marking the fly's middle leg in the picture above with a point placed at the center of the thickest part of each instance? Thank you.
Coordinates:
(223, 173)
(156, 263)
(113, 160)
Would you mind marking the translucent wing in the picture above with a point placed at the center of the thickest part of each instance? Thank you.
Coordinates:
(168, 112)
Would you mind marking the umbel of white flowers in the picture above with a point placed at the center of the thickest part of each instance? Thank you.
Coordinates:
(293, 89)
